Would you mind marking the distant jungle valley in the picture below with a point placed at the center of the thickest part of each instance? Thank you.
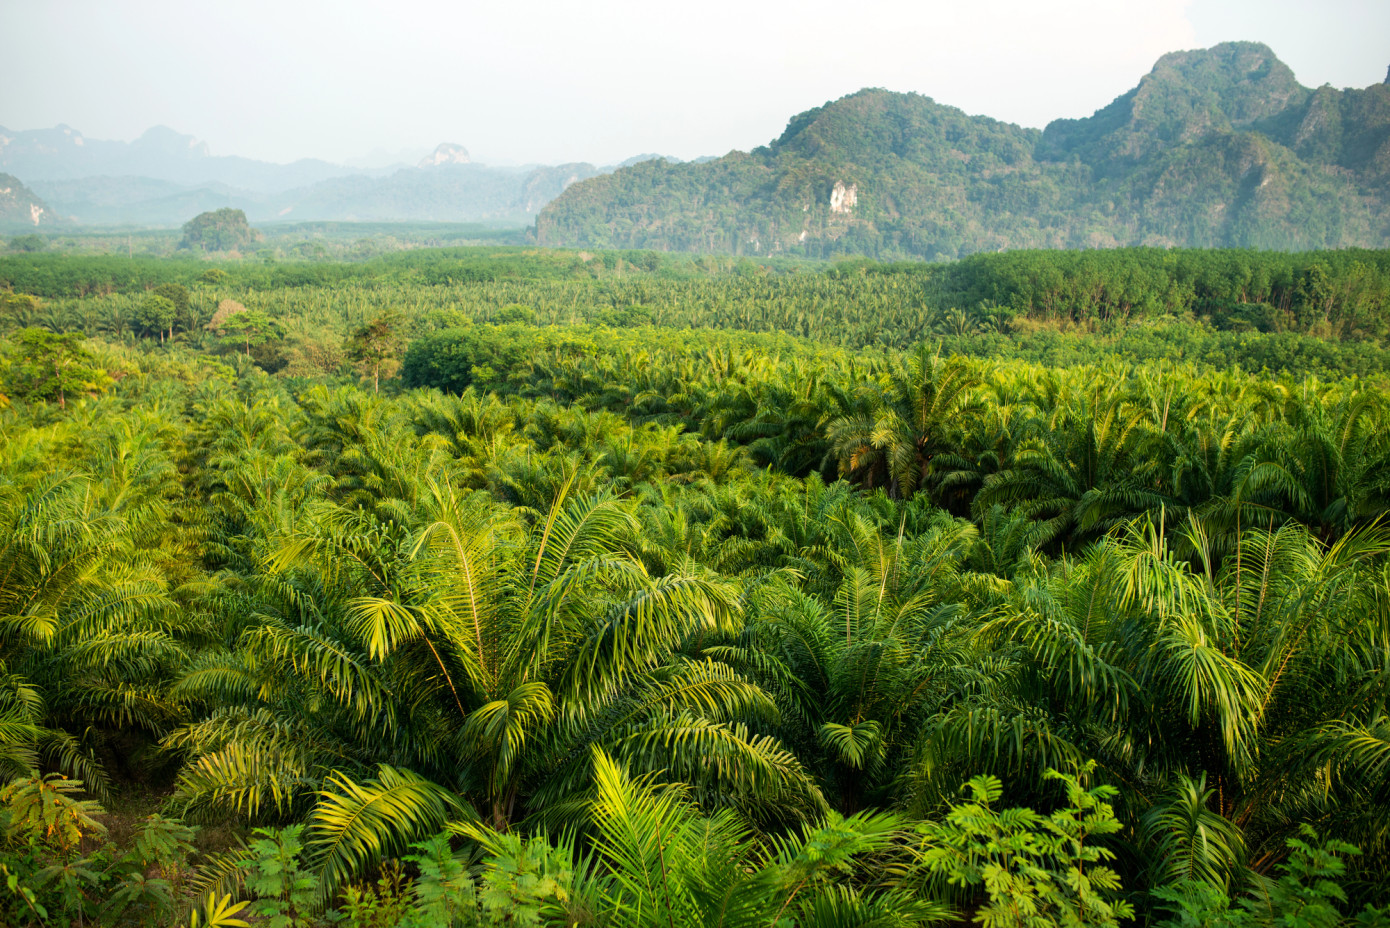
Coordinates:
(416, 575)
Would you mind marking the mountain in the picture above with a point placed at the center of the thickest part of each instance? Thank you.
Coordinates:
(142, 201)
(63, 153)
(445, 153)
(440, 192)
(165, 178)
(1214, 148)
(20, 208)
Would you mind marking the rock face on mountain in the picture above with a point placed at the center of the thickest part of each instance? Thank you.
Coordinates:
(445, 153)
(1217, 147)
(20, 208)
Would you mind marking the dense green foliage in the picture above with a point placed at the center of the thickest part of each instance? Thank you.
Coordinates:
(301, 241)
(223, 229)
(1318, 312)
(1213, 148)
(610, 612)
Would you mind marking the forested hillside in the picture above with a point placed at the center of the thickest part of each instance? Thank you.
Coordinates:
(517, 587)
(1214, 148)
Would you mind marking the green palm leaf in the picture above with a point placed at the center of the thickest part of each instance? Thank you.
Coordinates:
(357, 825)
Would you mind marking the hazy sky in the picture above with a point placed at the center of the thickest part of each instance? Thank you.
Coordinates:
(605, 79)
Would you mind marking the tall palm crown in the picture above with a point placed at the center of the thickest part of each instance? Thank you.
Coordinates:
(486, 653)
(910, 420)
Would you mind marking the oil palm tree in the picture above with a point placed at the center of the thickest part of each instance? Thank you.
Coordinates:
(1084, 470)
(859, 671)
(86, 641)
(892, 444)
(482, 653)
(1253, 674)
(1324, 464)
(664, 864)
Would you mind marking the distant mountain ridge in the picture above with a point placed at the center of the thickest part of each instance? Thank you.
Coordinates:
(63, 153)
(443, 192)
(439, 193)
(166, 178)
(1219, 147)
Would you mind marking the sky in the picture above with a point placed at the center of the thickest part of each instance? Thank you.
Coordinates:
(599, 81)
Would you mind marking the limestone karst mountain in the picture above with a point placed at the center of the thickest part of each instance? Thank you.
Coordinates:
(1216, 147)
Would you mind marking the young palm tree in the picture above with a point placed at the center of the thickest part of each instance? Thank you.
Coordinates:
(1325, 463)
(859, 672)
(1252, 674)
(86, 637)
(917, 413)
(1084, 470)
(665, 864)
(482, 654)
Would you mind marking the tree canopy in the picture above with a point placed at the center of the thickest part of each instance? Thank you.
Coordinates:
(223, 229)
(627, 603)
